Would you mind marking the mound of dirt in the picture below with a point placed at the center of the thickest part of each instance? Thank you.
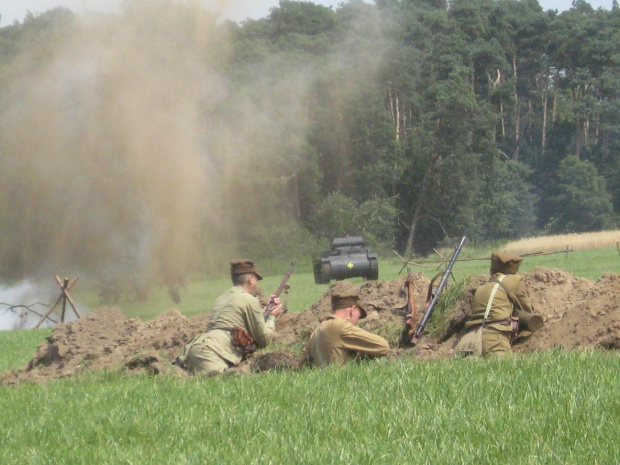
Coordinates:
(578, 314)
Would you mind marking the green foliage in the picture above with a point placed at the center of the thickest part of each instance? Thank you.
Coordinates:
(506, 203)
(338, 215)
(335, 216)
(283, 242)
(301, 18)
(447, 301)
(377, 220)
(581, 201)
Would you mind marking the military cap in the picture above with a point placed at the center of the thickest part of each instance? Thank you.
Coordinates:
(348, 300)
(244, 266)
(507, 263)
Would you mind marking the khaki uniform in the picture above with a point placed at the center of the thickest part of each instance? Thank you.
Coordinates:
(497, 334)
(214, 351)
(336, 340)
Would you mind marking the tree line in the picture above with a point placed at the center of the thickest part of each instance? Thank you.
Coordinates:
(410, 122)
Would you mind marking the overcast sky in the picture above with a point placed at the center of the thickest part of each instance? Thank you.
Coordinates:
(237, 10)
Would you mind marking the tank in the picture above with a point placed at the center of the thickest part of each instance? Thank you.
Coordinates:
(348, 258)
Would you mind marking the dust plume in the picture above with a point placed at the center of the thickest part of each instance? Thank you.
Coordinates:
(129, 145)
(104, 161)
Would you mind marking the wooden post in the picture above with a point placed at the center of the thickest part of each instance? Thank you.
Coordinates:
(65, 291)
(50, 310)
(64, 300)
(64, 296)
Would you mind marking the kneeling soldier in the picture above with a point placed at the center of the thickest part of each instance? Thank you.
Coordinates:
(236, 325)
(500, 306)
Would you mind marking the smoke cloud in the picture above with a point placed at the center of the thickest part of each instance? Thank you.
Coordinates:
(106, 143)
(21, 307)
(127, 149)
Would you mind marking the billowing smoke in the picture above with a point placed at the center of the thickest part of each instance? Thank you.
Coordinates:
(21, 306)
(105, 143)
(143, 142)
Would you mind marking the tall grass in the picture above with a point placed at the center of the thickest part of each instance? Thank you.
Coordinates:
(544, 408)
(581, 241)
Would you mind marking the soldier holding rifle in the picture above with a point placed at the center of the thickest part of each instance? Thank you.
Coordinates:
(236, 326)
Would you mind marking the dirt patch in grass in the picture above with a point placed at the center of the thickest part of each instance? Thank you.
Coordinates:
(578, 314)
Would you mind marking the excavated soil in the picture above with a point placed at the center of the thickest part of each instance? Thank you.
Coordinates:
(578, 313)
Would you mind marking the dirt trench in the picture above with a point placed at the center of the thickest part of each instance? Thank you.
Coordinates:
(578, 313)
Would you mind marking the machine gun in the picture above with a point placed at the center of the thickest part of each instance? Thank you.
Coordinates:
(278, 292)
(410, 337)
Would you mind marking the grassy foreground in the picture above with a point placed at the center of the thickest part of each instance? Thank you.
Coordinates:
(556, 407)
(559, 407)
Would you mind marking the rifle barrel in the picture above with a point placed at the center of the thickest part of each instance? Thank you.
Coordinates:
(442, 284)
(278, 291)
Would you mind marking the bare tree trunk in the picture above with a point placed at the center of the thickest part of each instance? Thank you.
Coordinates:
(404, 126)
(543, 142)
(597, 127)
(579, 125)
(418, 208)
(501, 113)
(494, 84)
(554, 111)
(395, 112)
(297, 197)
(397, 119)
(517, 110)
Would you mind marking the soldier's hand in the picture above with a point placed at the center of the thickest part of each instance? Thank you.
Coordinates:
(277, 306)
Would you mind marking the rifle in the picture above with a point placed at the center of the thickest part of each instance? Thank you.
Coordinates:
(434, 294)
(278, 292)
(410, 310)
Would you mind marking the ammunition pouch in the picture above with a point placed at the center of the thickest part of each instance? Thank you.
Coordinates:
(470, 343)
(242, 340)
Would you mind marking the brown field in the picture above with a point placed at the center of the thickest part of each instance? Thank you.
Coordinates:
(583, 241)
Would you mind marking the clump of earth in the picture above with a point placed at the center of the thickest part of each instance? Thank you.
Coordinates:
(578, 314)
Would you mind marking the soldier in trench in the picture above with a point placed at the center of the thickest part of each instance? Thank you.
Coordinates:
(501, 307)
(236, 325)
(338, 339)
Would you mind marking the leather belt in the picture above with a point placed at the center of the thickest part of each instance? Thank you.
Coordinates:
(501, 322)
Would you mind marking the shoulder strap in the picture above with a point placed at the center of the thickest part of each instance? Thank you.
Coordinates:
(513, 299)
(497, 282)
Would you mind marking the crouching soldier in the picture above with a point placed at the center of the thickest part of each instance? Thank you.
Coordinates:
(500, 307)
(338, 339)
(236, 325)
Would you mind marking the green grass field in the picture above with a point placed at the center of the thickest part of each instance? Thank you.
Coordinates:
(547, 408)
(540, 409)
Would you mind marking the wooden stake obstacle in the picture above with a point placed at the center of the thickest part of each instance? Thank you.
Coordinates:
(65, 297)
